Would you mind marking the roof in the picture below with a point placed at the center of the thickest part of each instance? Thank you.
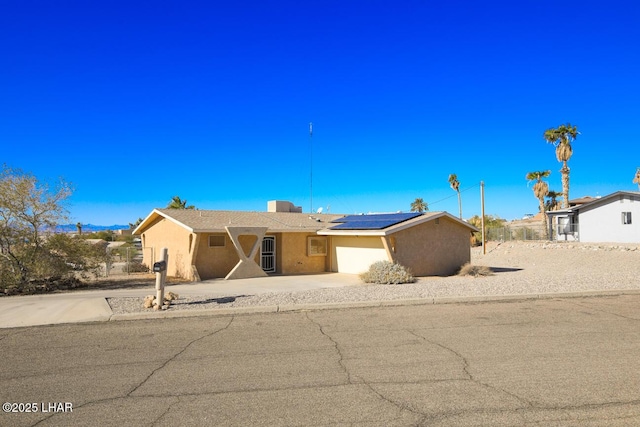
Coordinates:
(336, 230)
(581, 200)
(210, 221)
(595, 202)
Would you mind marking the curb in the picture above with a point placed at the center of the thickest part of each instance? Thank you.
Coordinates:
(365, 304)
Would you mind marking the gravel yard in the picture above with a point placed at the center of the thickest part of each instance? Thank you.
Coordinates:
(520, 268)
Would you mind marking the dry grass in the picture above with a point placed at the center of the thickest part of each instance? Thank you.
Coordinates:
(475, 270)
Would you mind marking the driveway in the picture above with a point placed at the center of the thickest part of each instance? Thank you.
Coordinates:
(89, 306)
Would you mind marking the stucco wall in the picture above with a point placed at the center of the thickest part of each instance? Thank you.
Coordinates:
(218, 261)
(435, 248)
(291, 255)
(294, 258)
(167, 234)
(604, 223)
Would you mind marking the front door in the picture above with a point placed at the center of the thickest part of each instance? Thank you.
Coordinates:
(268, 254)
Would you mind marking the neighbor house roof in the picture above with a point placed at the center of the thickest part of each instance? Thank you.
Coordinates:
(210, 221)
(337, 230)
(594, 202)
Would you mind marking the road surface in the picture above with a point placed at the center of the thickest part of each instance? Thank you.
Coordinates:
(559, 361)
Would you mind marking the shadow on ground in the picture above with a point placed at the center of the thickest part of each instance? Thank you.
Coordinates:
(504, 269)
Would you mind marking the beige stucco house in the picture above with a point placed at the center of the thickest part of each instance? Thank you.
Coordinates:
(206, 244)
(429, 244)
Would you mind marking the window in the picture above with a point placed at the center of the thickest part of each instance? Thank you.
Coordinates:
(317, 246)
(626, 217)
(216, 241)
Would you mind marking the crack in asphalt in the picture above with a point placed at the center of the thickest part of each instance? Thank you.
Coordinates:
(166, 411)
(468, 374)
(400, 406)
(524, 413)
(335, 345)
(128, 395)
(178, 354)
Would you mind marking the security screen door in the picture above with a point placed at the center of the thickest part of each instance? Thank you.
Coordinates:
(268, 254)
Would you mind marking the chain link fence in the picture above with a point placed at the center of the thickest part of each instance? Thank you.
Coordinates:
(127, 260)
(560, 232)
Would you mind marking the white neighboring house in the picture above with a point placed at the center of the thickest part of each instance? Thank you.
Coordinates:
(614, 218)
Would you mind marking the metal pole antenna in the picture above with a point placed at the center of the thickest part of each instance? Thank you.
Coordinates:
(484, 246)
(311, 167)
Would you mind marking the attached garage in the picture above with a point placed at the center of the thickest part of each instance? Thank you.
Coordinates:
(429, 244)
(352, 254)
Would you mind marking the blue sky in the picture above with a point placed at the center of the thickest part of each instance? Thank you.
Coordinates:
(136, 102)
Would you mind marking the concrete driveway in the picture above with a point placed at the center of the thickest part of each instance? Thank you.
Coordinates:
(90, 306)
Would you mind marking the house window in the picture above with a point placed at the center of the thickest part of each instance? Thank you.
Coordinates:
(626, 217)
(317, 246)
(217, 241)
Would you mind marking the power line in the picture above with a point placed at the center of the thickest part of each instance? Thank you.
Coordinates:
(454, 195)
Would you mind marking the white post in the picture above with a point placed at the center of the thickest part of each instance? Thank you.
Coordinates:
(161, 277)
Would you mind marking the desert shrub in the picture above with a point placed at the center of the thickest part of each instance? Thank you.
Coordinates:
(475, 270)
(387, 273)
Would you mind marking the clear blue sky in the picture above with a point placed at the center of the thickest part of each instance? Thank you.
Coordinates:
(136, 102)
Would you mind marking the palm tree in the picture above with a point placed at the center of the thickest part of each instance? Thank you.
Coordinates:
(561, 138)
(133, 225)
(79, 228)
(178, 203)
(540, 190)
(552, 203)
(455, 184)
(636, 179)
(419, 205)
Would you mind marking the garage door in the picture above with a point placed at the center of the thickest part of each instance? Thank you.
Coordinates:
(354, 255)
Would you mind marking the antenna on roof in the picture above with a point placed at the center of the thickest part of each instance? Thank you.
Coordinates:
(311, 166)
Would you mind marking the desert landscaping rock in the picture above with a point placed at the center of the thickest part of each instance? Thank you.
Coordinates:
(520, 268)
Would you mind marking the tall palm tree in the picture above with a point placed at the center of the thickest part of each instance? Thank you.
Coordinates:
(540, 190)
(79, 228)
(561, 138)
(419, 205)
(455, 184)
(552, 203)
(178, 203)
(636, 179)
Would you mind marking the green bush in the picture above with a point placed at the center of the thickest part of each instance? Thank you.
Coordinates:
(387, 273)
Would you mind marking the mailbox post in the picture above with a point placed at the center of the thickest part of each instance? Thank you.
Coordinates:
(160, 268)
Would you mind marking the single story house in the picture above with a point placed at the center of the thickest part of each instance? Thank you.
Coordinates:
(205, 244)
(614, 218)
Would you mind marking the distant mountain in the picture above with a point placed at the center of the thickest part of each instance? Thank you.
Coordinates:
(89, 228)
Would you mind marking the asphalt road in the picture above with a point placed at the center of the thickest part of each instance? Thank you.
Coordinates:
(569, 362)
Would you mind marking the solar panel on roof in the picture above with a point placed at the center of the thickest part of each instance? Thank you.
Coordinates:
(373, 221)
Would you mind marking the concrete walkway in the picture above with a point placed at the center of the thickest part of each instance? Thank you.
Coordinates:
(92, 306)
